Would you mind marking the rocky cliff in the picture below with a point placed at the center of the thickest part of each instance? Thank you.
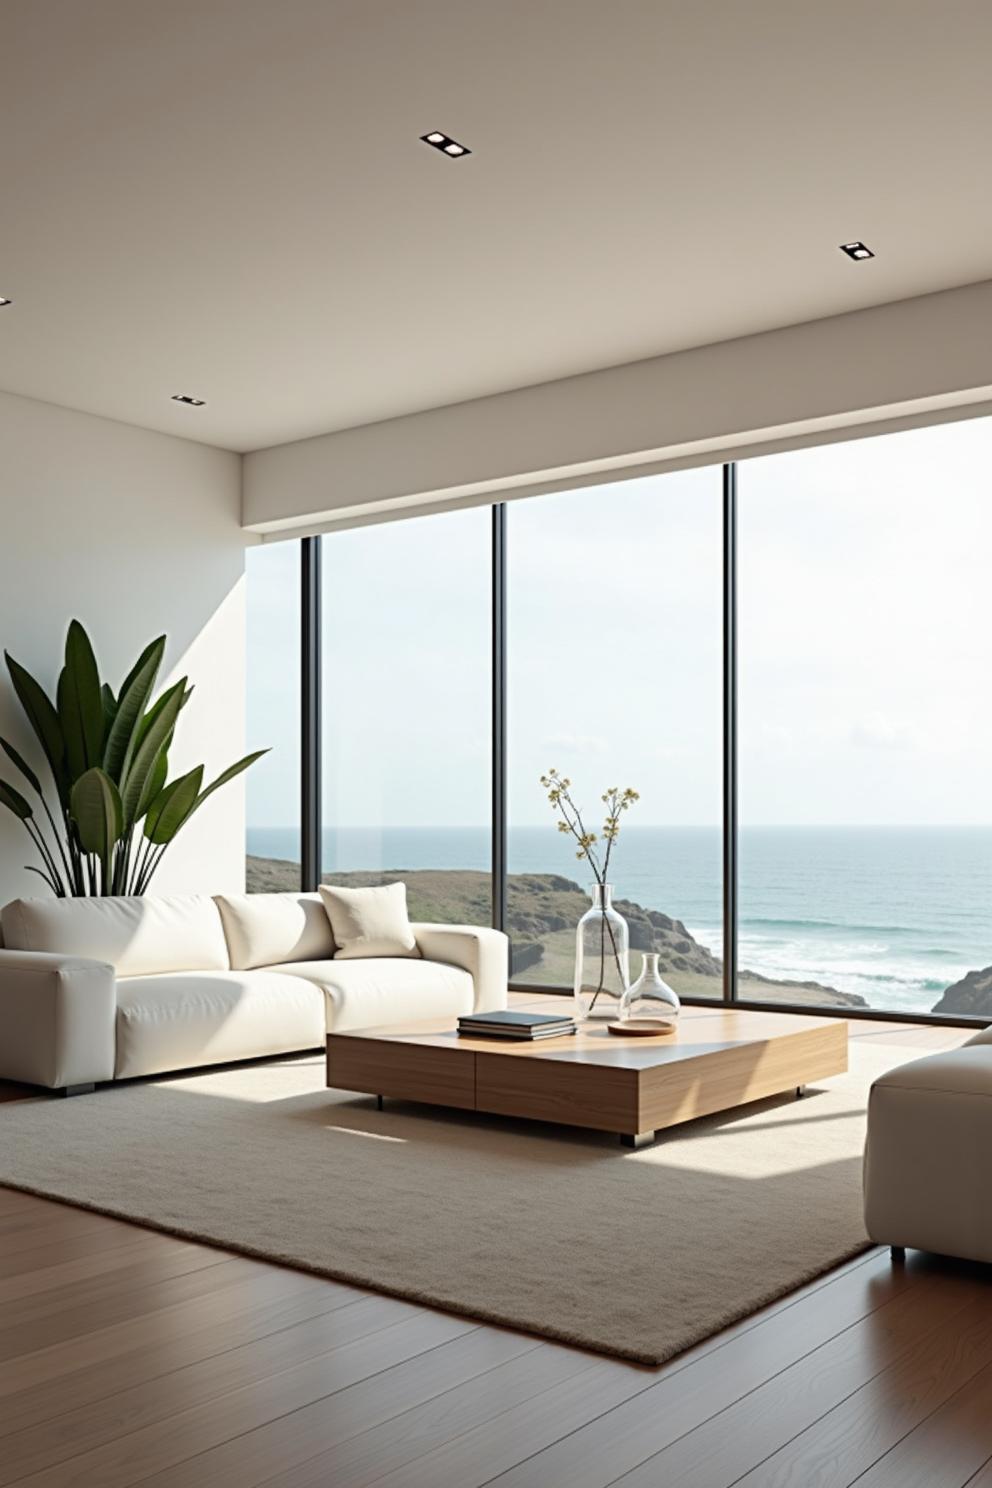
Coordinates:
(970, 997)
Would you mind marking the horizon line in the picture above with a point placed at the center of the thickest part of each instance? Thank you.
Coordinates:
(646, 827)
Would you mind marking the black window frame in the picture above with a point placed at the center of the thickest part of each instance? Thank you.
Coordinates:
(311, 715)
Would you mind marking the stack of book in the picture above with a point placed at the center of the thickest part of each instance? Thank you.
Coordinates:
(509, 1025)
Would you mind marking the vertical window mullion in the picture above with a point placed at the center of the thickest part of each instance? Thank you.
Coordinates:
(730, 812)
(499, 715)
(310, 713)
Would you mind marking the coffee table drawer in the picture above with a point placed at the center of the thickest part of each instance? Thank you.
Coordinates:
(405, 1071)
(600, 1096)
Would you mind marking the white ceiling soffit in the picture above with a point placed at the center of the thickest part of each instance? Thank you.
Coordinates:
(912, 361)
(230, 198)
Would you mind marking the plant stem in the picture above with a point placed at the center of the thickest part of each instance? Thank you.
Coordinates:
(153, 868)
(605, 924)
(47, 857)
(58, 844)
(51, 875)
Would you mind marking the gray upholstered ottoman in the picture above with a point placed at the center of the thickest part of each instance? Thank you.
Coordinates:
(928, 1157)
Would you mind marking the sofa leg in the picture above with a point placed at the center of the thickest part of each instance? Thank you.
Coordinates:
(898, 1254)
(378, 1102)
(77, 1090)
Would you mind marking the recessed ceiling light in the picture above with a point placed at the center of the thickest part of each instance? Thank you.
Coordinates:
(445, 144)
(185, 398)
(4, 301)
(856, 250)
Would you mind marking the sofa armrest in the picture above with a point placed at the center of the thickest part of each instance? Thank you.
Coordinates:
(482, 952)
(57, 1017)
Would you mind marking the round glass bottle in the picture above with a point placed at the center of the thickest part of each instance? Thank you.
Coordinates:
(650, 1003)
(602, 958)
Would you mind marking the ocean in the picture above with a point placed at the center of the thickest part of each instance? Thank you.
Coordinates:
(895, 914)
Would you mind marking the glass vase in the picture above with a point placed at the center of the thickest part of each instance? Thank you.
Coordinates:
(650, 1002)
(602, 958)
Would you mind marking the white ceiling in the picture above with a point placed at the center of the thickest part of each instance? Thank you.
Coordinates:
(229, 197)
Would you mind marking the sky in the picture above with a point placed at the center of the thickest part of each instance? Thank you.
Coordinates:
(863, 647)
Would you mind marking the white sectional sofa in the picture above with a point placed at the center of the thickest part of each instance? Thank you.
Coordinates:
(104, 989)
(927, 1153)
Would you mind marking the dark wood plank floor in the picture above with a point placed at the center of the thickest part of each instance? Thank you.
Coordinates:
(130, 1357)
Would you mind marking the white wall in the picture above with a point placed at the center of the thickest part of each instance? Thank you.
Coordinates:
(133, 533)
(860, 372)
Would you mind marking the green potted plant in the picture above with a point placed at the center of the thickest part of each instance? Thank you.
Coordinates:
(115, 808)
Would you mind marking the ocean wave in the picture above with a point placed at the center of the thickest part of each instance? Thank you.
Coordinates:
(845, 925)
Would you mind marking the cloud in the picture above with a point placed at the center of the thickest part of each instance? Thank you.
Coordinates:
(879, 732)
(577, 743)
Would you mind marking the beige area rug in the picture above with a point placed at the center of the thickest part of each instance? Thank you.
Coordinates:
(551, 1230)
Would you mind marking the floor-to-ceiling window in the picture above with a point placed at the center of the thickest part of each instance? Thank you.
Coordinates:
(272, 579)
(864, 803)
(615, 665)
(406, 757)
(865, 723)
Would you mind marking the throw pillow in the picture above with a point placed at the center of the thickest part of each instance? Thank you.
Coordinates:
(369, 922)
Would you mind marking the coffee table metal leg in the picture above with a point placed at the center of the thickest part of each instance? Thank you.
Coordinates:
(637, 1140)
(800, 1091)
(378, 1102)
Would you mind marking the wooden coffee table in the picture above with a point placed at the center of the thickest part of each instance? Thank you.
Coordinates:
(717, 1059)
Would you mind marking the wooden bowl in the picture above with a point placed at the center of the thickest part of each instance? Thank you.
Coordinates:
(641, 1028)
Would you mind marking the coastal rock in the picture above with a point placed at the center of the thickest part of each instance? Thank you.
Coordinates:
(970, 997)
(524, 954)
(830, 996)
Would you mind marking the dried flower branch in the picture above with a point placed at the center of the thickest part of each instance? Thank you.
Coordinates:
(616, 802)
(570, 821)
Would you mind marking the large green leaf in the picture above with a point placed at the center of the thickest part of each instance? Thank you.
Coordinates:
(14, 801)
(80, 703)
(22, 764)
(122, 739)
(157, 645)
(160, 770)
(109, 708)
(43, 718)
(153, 737)
(153, 712)
(229, 774)
(156, 780)
(172, 806)
(97, 812)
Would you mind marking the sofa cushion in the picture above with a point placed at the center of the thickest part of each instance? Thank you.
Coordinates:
(926, 1155)
(138, 936)
(370, 922)
(193, 1018)
(963, 1071)
(367, 993)
(263, 929)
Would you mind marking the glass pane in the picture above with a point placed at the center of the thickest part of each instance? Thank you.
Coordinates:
(273, 684)
(866, 795)
(406, 747)
(615, 654)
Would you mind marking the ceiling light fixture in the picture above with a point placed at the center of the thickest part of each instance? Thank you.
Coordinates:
(856, 250)
(185, 398)
(445, 144)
